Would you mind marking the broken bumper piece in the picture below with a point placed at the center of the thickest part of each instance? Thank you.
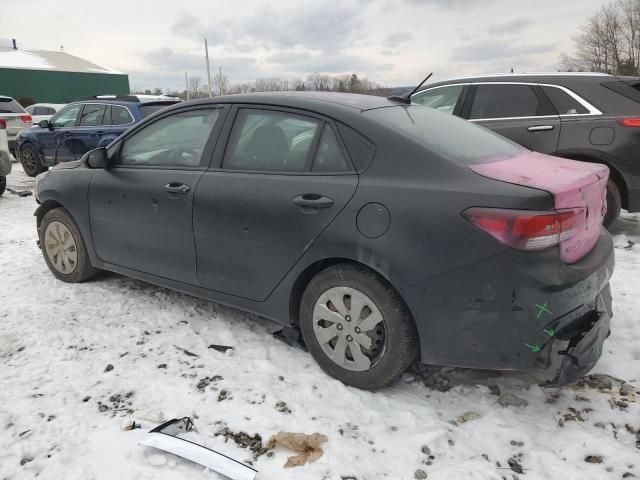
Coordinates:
(575, 351)
(164, 437)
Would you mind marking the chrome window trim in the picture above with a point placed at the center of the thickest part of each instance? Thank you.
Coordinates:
(592, 111)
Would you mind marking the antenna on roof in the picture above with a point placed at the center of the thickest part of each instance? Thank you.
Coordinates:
(406, 98)
(15, 47)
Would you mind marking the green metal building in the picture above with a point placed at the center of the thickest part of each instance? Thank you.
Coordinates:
(55, 77)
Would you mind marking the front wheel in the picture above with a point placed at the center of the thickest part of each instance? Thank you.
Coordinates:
(614, 204)
(3, 184)
(63, 248)
(30, 160)
(357, 327)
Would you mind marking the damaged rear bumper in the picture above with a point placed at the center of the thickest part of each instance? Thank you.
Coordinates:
(577, 346)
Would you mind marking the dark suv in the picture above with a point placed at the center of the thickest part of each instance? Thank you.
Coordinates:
(83, 126)
(582, 116)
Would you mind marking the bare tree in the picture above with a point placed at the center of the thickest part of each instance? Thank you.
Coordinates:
(196, 87)
(609, 41)
(220, 83)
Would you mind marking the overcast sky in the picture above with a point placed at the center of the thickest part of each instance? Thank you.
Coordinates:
(392, 42)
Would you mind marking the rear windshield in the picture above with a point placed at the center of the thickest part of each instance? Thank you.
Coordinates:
(631, 89)
(456, 139)
(9, 105)
(147, 109)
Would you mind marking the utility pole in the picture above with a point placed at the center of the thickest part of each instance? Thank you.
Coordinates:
(186, 84)
(206, 54)
(221, 93)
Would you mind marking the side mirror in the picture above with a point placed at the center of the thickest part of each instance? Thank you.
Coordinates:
(97, 158)
(44, 124)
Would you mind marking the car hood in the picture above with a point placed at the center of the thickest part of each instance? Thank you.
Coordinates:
(67, 165)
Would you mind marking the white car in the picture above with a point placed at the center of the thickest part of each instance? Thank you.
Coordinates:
(43, 111)
(16, 118)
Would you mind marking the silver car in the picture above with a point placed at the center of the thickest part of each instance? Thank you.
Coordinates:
(16, 118)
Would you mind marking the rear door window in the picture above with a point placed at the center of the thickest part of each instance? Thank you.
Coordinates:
(506, 101)
(444, 99)
(271, 141)
(92, 115)
(330, 157)
(118, 115)
(564, 103)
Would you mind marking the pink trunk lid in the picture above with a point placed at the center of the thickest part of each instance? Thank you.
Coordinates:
(573, 184)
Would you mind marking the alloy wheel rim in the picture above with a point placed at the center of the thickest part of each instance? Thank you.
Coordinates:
(28, 160)
(60, 247)
(349, 328)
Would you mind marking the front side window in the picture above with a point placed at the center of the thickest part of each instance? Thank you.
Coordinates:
(174, 141)
(271, 141)
(504, 101)
(92, 115)
(66, 117)
(440, 98)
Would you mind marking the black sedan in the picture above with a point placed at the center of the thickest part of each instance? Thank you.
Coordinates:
(382, 232)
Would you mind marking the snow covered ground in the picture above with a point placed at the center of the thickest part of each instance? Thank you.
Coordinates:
(80, 362)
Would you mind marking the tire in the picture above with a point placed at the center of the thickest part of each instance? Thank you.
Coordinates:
(3, 184)
(30, 160)
(70, 264)
(614, 204)
(393, 342)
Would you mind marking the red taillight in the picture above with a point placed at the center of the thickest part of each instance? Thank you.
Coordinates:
(3, 123)
(525, 229)
(630, 122)
(26, 118)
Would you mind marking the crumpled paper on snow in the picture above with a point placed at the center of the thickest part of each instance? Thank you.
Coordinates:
(307, 445)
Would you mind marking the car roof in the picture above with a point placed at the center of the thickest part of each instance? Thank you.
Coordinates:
(48, 105)
(322, 102)
(541, 77)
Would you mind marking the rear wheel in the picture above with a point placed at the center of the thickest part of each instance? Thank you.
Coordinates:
(614, 204)
(3, 184)
(63, 248)
(357, 327)
(30, 160)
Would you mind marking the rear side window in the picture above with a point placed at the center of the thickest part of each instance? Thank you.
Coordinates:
(92, 115)
(146, 110)
(456, 139)
(271, 141)
(42, 111)
(9, 105)
(505, 101)
(118, 115)
(564, 103)
(629, 90)
(440, 98)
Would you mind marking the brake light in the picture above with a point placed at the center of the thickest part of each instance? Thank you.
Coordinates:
(26, 118)
(3, 123)
(629, 122)
(525, 229)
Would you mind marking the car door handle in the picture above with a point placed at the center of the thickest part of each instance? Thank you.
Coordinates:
(313, 200)
(177, 188)
(100, 132)
(540, 128)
